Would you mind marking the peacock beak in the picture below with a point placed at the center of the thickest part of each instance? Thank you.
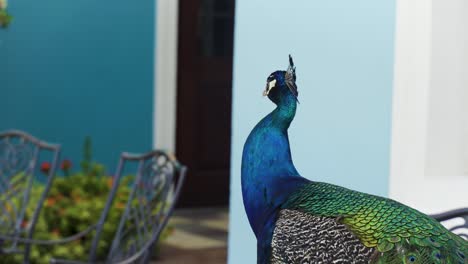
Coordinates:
(266, 91)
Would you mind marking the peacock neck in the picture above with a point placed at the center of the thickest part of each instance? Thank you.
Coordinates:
(268, 172)
(284, 113)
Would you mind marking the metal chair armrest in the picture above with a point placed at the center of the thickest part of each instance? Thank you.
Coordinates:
(149, 246)
(457, 213)
(146, 247)
(462, 212)
(49, 242)
(11, 251)
(64, 261)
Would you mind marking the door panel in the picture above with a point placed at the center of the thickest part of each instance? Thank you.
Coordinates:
(204, 99)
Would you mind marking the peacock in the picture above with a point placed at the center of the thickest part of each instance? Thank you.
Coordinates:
(296, 220)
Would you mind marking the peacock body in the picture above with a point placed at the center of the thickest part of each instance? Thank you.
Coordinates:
(300, 221)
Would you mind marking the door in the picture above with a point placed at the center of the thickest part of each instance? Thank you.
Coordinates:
(204, 88)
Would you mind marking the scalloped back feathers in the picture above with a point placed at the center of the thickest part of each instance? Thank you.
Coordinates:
(400, 234)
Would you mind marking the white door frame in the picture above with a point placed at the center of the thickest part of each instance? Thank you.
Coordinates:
(412, 79)
(165, 74)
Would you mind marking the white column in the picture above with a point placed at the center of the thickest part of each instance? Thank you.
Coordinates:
(165, 75)
(417, 70)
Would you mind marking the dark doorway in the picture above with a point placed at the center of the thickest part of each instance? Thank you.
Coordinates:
(204, 88)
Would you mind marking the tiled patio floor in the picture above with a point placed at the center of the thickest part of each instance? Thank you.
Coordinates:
(200, 237)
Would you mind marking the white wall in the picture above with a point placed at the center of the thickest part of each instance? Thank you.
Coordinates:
(429, 120)
(447, 139)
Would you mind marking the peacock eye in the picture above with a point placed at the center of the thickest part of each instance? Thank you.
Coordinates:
(412, 258)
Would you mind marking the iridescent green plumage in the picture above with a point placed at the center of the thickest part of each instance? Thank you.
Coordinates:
(399, 233)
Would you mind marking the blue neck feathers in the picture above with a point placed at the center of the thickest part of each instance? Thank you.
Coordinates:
(268, 173)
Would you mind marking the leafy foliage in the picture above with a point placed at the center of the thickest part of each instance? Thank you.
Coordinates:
(5, 18)
(74, 203)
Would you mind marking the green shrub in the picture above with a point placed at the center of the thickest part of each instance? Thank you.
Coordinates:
(73, 204)
(5, 18)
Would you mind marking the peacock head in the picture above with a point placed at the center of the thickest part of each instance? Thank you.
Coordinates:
(281, 84)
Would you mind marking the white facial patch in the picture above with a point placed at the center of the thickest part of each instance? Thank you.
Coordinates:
(271, 84)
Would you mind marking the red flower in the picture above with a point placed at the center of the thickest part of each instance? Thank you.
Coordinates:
(66, 165)
(24, 224)
(50, 201)
(56, 232)
(110, 182)
(45, 167)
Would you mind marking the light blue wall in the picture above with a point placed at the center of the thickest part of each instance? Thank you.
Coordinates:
(344, 56)
(74, 68)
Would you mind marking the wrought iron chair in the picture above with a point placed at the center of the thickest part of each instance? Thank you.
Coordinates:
(20, 154)
(460, 229)
(153, 193)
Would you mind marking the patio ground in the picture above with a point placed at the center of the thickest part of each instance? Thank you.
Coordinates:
(200, 236)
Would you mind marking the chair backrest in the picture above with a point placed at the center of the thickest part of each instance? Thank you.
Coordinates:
(21, 156)
(154, 189)
(460, 228)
